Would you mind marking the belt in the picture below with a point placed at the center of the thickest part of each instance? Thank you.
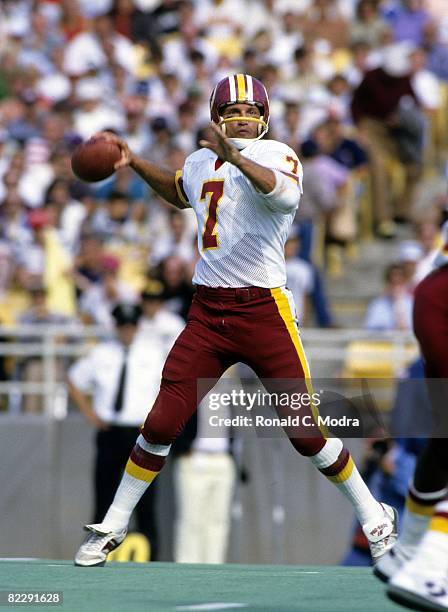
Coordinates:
(237, 294)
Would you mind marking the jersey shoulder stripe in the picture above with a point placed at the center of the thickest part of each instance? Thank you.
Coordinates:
(179, 183)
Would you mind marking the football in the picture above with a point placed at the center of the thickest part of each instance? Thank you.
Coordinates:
(94, 159)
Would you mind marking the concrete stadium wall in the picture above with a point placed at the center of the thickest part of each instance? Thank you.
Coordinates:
(285, 513)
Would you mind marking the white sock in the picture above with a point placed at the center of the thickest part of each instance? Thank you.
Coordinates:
(129, 493)
(135, 481)
(413, 526)
(432, 553)
(416, 517)
(348, 480)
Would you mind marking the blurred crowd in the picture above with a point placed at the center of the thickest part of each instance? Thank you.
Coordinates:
(357, 88)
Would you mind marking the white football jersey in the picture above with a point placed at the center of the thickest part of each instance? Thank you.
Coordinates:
(241, 232)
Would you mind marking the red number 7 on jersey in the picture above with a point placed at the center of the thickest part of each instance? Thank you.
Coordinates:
(294, 162)
(215, 190)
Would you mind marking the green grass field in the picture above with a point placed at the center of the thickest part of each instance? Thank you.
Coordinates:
(159, 587)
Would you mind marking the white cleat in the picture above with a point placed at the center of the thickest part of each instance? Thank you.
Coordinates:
(425, 590)
(97, 545)
(382, 534)
(391, 562)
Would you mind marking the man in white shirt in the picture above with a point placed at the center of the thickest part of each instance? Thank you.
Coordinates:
(392, 310)
(123, 376)
(158, 325)
(245, 193)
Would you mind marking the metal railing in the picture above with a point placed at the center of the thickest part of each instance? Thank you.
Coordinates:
(326, 349)
(48, 343)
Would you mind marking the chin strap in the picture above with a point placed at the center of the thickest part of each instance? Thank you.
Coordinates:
(242, 143)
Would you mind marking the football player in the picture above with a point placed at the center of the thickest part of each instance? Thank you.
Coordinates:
(245, 191)
(417, 566)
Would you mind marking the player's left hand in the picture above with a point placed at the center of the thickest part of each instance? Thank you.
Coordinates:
(219, 144)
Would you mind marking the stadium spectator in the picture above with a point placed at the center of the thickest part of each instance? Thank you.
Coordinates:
(163, 137)
(368, 26)
(7, 267)
(393, 309)
(223, 22)
(427, 234)
(69, 213)
(45, 260)
(165, 17)
(437, 51)
(304, 74)
(13, 217)
(425, 84)
(94, 110)
(88, 265)
(112, 222)
(322, 21)
(185, 132)
(330, 139)
(71, 19)
(131, 22)
(288, 127)
(178, 293)
(409, 255)
(31, 369)
(137, 128)
(384, 109)
(177, 243)
(408, 20)
(99, 299)
(158, 325)
(339, 97)
(361, 61)
(287, 38)
(326, 179)
(96, 47)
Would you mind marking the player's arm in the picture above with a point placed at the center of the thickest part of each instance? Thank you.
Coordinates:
(280, 193)
(80, 377)
(84, 404)
(160, 179)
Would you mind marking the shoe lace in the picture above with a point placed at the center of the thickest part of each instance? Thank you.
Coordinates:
(94, 542)
(379, 546)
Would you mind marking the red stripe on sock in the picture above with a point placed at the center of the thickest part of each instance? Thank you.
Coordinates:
(443, 515)
(335, 468)
(146, 460)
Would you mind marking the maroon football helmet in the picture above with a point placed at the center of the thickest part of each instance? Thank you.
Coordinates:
(240, 88)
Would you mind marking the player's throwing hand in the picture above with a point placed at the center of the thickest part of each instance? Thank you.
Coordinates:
(222, 146)
(126, 154)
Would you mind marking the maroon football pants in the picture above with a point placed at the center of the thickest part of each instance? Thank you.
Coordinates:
(431, 330)
(225, 326)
